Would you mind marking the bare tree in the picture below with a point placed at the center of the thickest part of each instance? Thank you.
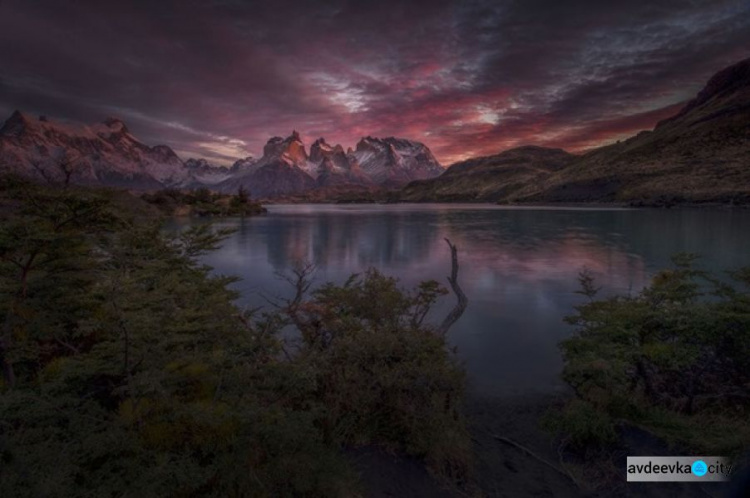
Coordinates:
(312, 328)
(462, 300)
(301, 279)
(65, 163)
(37, 165)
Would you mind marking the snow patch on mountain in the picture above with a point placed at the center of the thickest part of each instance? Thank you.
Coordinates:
(395, 160)
(204, 173)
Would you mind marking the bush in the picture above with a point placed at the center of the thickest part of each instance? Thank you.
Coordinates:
(383, 376)
(583, 425)
(678, 350)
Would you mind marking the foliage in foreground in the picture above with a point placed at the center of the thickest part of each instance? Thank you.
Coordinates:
(673, 359)
(382, 373)
(127, 370)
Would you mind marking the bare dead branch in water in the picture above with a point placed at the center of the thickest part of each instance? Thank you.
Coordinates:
(463, 301)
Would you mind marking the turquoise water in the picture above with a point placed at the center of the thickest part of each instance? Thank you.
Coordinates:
(518, 266)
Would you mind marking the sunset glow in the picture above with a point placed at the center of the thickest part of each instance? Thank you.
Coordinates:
(217, 79)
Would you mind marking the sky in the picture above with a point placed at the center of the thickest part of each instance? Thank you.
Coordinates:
(217, 78)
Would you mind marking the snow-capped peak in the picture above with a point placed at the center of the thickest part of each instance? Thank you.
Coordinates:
(397, 160)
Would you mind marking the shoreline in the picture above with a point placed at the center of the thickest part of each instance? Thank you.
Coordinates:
(521, 205)
(516, 458)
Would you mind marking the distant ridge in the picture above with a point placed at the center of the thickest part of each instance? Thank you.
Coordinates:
(490, 178)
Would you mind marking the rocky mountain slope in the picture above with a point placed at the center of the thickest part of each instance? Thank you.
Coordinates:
(395, 161)
(286, 168)
(203, 173)
(702, 154)
(102, 154)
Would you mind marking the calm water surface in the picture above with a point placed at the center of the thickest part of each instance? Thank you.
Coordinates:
(518, 266)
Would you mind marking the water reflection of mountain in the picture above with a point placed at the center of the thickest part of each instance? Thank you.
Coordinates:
(340, 240)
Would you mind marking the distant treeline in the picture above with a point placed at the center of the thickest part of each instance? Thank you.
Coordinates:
(203, 202)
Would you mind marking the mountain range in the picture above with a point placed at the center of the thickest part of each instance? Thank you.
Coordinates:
(287, 168)
(108, 154)
(102, 154)
(701, 154)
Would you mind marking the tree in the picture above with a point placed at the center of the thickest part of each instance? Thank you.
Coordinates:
(202, 195)
(243, 197)
(44, 249)
(64, 168)
(382, 372)
(127, 367)
(130, 368)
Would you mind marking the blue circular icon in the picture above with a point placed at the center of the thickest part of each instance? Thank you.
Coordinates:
(699, 468)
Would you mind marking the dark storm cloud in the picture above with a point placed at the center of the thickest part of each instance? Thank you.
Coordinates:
(217, 78)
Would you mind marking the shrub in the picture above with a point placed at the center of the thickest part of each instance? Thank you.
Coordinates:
(383, 375)
(678, 350)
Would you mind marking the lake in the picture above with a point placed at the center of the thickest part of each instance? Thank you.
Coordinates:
(518, 266)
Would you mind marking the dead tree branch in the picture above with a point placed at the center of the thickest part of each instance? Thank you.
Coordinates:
(533, 455)
(462, 302)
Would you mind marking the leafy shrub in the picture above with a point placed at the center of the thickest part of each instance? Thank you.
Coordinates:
(583, 425)
(678, 350)
(383, 376)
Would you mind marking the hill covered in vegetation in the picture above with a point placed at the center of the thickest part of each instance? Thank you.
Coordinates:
(700, 155)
